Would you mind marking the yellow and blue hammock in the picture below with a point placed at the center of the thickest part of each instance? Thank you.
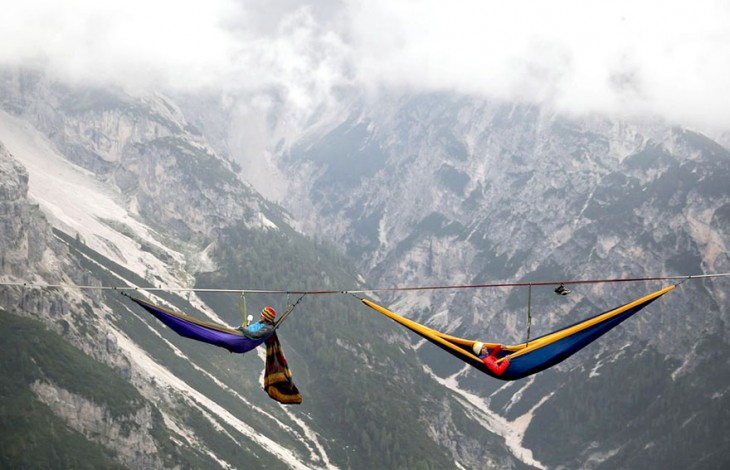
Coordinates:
(535, 355)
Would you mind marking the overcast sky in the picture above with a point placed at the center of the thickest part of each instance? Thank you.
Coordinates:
(667, 58)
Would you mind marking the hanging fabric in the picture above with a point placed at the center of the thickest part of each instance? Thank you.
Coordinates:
(278, 382)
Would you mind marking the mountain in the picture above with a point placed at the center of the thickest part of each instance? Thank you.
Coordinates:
(101, 189)
(438, 189)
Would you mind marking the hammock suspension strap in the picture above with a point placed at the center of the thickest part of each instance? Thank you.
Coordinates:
(289, 310)
(242, 309)
(529, 313)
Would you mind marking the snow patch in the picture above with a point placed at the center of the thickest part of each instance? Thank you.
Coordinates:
(478, 408)
(75, 201)
(266, 223)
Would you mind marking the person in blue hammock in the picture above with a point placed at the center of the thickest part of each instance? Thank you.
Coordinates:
(263, 327)
(490, 357)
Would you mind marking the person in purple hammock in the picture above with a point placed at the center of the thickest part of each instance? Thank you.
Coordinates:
(263, 327)
(489, 357)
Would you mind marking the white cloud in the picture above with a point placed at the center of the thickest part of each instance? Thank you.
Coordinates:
(135, 43)
(668, 58)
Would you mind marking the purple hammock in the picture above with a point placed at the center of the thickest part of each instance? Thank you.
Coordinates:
(212, 333)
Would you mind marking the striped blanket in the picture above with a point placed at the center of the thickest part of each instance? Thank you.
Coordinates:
(277, 376)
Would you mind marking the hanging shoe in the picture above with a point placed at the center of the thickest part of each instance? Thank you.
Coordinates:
(561, 290)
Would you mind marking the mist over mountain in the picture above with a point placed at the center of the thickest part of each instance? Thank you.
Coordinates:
(105, 188)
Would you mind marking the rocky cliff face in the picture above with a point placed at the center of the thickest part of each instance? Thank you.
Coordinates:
(29, 248)
(142, 147)
(453, 191)
(129, 437)
(24, 242)
(33, 254)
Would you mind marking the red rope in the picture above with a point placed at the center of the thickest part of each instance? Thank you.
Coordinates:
(520, 284)
(383, 289)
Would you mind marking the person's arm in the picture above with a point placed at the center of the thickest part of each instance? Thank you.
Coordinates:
(497, 369)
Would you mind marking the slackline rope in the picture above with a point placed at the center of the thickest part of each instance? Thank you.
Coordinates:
(359, 291)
